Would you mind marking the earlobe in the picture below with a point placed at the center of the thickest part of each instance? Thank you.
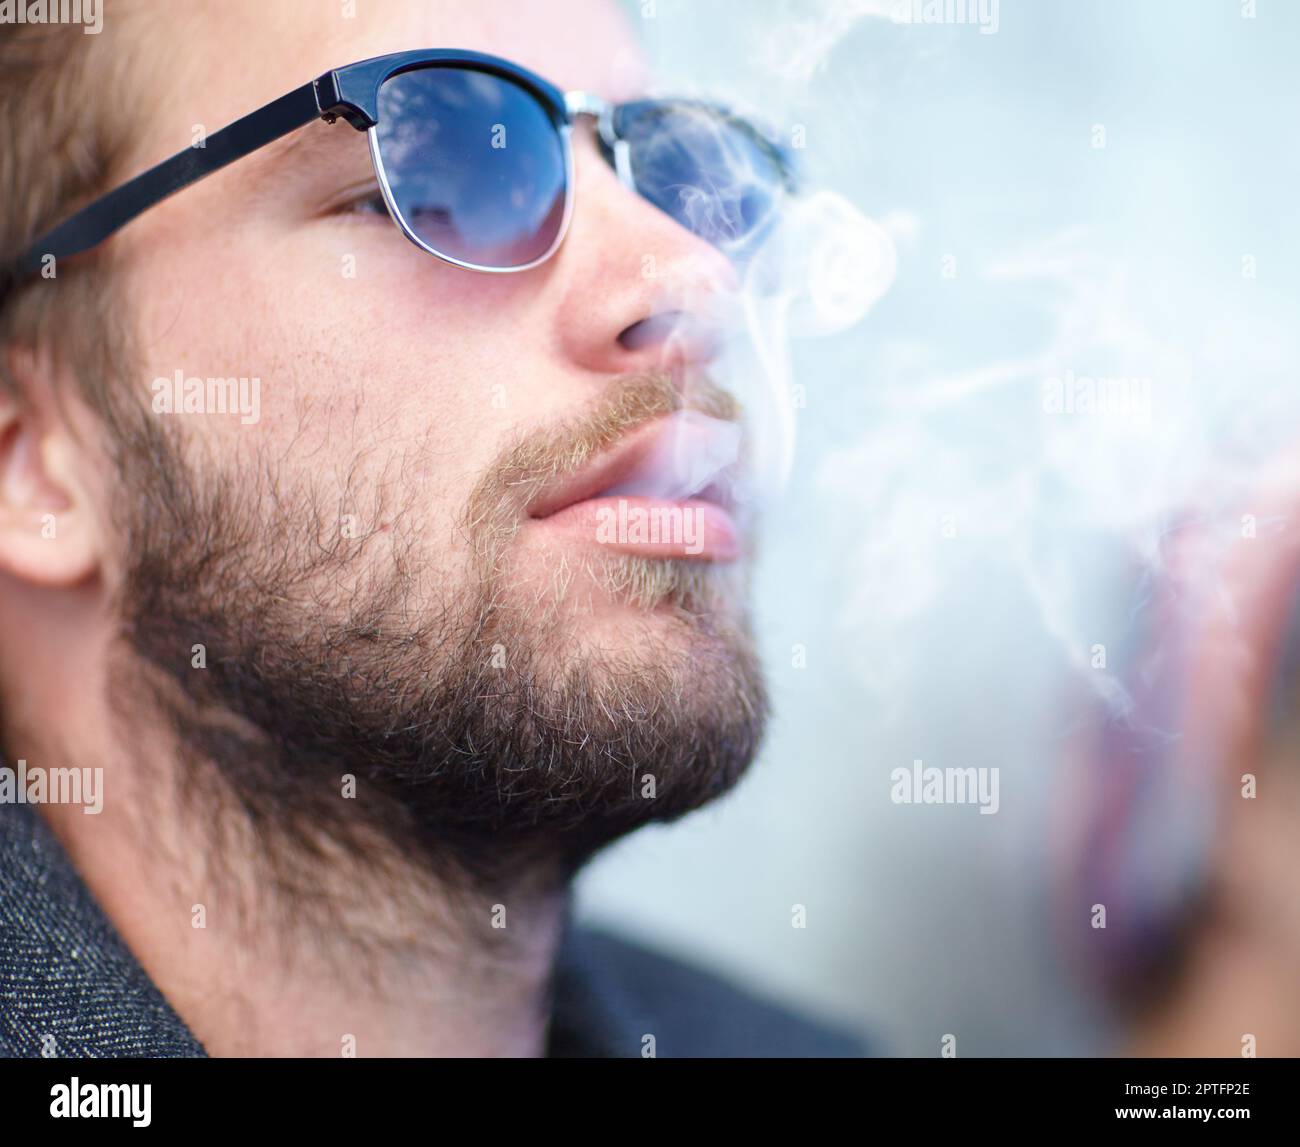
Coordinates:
(47, 528)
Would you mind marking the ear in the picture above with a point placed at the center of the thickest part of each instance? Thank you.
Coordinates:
(48, 526)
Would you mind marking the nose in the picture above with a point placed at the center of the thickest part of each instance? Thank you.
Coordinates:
(638, 291)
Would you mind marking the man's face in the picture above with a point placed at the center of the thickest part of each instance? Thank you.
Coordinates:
(372, 565)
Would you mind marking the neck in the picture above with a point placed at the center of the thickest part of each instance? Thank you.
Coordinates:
(383, 960)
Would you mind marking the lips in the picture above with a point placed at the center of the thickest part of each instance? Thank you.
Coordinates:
(667, 490)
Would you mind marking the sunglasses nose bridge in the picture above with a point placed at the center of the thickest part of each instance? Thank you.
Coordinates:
(602, 112)
(585, 103)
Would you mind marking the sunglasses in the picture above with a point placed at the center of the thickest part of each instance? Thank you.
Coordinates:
(474, 160)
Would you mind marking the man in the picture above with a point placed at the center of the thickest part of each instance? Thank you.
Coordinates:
(322, 674)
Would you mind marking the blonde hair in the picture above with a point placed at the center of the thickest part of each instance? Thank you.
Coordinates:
(70, 112)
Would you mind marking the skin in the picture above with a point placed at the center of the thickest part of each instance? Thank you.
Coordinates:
(262, 246)
(1239, 975)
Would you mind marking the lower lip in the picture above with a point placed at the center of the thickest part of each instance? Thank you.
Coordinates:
(691, 530)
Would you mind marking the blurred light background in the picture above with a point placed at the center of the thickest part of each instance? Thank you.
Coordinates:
(1097, 188)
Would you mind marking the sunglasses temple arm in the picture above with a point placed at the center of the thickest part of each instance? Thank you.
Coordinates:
(95, 223)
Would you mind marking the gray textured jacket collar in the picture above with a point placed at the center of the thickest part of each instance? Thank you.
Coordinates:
(69, 987)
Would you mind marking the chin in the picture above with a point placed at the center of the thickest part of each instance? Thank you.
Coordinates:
(625, 614)
(592, 584)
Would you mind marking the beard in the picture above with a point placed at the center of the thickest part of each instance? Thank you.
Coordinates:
(338, 712)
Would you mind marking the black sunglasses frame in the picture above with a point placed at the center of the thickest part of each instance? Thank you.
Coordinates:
(352, 93)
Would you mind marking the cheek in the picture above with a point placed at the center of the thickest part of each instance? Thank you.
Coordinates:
(385, 390)
(329, 454)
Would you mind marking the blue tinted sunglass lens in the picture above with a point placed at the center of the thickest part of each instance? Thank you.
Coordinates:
(475, 165)
(713, 172)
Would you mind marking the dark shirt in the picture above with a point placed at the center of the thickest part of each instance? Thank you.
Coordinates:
(69, 987)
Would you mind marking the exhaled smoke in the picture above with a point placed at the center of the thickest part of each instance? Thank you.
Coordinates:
(808, 262)
(801, 40)
(811, 267)
(1075, 392)
(823, 269)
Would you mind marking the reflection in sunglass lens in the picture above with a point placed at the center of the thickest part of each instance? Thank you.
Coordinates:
(711, 171)
(475, 165)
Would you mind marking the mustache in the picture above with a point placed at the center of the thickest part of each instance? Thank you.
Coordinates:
(520, 472)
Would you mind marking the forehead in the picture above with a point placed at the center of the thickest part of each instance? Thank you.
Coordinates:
(213, 62)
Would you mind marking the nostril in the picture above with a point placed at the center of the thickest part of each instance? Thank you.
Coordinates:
(697, 340)
(655, 330)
